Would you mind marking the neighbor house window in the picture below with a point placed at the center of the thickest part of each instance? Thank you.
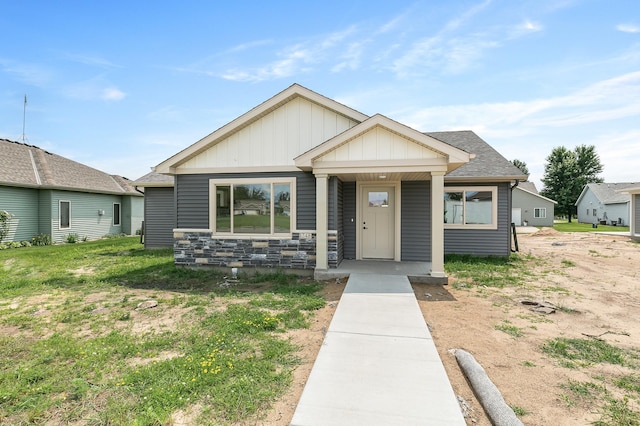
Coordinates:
(587, 212)
(252, 206)
(471, 207)
(595, 212)
(64, 215)
(116, 214)
(540, 213)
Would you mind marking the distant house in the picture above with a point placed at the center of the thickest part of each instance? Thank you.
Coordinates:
(605, 203)
(159, 209)
(356, 187)
(49, 194)
(530, 208)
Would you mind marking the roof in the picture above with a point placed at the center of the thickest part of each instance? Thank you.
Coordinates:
(523, 188)
(25, 165)
(488, 163)
(528, 186)
(608, 193)
(153, 179)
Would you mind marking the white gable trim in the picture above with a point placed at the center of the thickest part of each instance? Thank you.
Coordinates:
(450, 155)
(169, 166)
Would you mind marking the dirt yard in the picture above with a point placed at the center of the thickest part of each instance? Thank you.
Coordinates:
(591, 279)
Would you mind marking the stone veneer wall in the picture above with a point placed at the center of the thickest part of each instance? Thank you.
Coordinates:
(201, 248)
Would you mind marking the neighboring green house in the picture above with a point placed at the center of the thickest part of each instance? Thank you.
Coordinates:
(52, 195)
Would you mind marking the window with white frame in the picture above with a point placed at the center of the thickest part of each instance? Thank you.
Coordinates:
(116, 214)
(540, 212)
(64, 215)
(471, 207)
(252, 206)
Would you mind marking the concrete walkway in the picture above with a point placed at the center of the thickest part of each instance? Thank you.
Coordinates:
(378, 364)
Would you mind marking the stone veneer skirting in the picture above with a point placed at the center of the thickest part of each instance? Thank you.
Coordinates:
(201, 248)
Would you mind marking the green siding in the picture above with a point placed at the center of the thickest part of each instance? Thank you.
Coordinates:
(85, 220)
(22, 203)
(132, 214)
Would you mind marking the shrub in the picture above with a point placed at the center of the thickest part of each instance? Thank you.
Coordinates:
(73, 238)
(41, 240)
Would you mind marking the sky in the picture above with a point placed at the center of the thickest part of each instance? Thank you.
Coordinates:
(121, 86)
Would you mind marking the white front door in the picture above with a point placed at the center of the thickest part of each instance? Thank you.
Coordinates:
(516, 216)
(378, 222)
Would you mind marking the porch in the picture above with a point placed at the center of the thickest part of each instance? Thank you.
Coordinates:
(415, 271)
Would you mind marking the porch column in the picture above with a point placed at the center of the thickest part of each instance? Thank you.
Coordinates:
(437, 224)
(322, 222)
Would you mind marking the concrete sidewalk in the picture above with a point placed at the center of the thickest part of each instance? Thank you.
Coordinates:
(378, 364)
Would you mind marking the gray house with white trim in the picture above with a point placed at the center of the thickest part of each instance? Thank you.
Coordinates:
(52, 195)
(530, 208)
(605, 203)
(352, 186)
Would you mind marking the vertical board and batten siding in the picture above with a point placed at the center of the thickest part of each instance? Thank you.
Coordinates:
(192, 197)
(416, 221)
(160, 217)
(275, 139)
(85, 220)
(333, 203)
(349, 219)
(481, 242)
(22, 203)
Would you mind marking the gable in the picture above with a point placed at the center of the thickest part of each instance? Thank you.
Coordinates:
(273, 140)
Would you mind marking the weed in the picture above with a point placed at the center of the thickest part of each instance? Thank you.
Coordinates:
(568, 263)
(616, 412)
(629, 382)
(511, 330)
(529, 364)
(577, 352)
(519, 411)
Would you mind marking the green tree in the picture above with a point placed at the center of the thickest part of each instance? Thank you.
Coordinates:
(521, 165)
(567, 172)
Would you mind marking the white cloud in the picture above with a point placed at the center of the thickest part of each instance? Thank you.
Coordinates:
(94, 89)
(33, 74)
(628, 28)
(113, 94)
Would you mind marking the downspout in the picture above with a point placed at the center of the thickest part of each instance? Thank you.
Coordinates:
(513, 225)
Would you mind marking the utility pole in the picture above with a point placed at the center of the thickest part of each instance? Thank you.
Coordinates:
(24, 119)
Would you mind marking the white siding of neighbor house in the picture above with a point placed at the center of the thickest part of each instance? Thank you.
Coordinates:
(589, 202)
(379, 144)
(275, 139)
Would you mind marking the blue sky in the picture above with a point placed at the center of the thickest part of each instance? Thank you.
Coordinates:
(121, 86)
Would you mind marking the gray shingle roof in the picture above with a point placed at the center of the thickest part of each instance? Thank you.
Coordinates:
(606, 192)
(488, 162)
(154, 179)
(529, 186)
(28, 165)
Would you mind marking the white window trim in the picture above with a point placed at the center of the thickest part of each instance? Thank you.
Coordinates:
(543, 210)
(213, 198)
(60, 214)
(494, 206)
(119, 214)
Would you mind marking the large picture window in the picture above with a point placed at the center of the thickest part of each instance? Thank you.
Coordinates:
(252, 207)
(64, 213)
(471, 207)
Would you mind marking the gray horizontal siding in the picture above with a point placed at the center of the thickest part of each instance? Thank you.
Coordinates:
(349, 219)
(416, 221)
(159, 217)
(480, 242)
(192, 197)
(636, 214)
(22, 203)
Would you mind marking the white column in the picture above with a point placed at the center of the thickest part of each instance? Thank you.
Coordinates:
(322, 222)
(437, 224)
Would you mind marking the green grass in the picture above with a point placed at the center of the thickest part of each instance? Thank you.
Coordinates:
(74, 349)
(490, 271)
(574, 353)
(510, 329)
(574, 226)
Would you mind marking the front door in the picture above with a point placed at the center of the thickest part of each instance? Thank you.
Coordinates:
(378, 222)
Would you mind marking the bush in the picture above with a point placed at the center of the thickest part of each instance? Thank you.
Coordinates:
(41, 240)
(73, 238)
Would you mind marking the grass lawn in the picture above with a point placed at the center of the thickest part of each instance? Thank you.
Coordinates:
(74, 348)
(587, 227)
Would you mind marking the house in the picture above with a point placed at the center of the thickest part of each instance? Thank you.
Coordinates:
(605, 203)
(530, 208)
(357, 186)
(52, 195)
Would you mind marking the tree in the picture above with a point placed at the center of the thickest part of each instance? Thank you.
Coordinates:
(521, 165)
(567, 172)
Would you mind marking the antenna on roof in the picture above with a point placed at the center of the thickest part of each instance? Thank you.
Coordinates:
(24, 119)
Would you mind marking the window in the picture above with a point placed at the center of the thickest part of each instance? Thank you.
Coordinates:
(472, 207)
(587, 212)
(116, 214)
(252, 207)
(595, 212)
(64, 215)
(540, 213)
